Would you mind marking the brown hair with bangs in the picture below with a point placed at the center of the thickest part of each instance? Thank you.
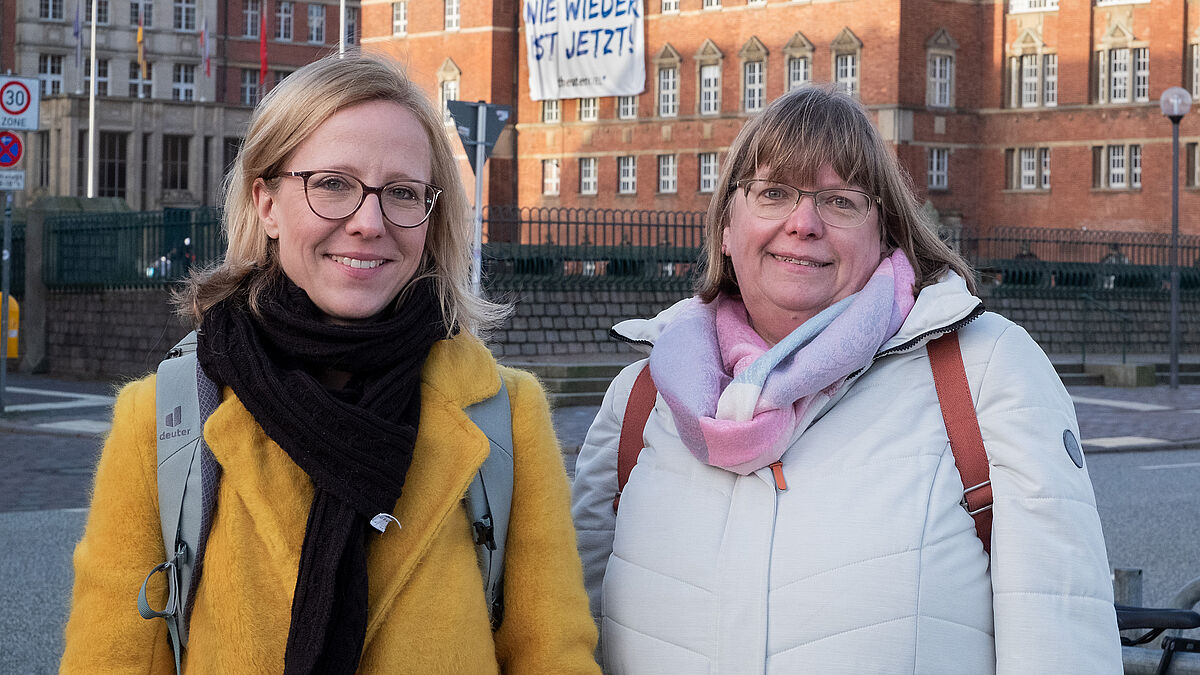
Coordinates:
(792, 139)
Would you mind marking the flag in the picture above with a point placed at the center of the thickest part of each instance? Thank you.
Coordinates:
(204, 46)
(78, 40)
(141, 47)
(262, 50)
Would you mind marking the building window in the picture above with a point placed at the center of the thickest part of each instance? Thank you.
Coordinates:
(668, 175)
(50, 72)
(589, 109)
(587, 175)
(143, 10)
(1135, 166)
(183, 82)
(708, 171)
(50, 9)
(939, 164)
(940, 81)
(549, 176)
(1044, 164)
(798, 72)
(400, 17)
(249, 92)
(283, 20)
(668, 92)
(316, 24)
(140, 87)
(448, 92)
(753, 86)
(111, 165)
(1017, 6)
(452, 15)
(101, 78)
(1196, 71)
(175, 162)
(551, 110)
(669, 6)
(1116, 166)
(711, 4)
(184, 15)
(351, 25)
(1191, 161)
(250, 17)
(627, 175)
(1027, 168)
(710, 89)
(1141, 74)
(43, 154)
(1118, 75)
(1029, 81)
(846, 67)
(627, 107)
(1050, 80)
(101, 13)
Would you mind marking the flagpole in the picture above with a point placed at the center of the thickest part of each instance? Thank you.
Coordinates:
(342, 34)
(91, 155)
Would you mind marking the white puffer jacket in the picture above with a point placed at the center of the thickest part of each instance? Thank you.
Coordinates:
(867, 563)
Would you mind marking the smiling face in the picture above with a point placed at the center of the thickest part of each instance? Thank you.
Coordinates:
(789, 270)
(354, 267)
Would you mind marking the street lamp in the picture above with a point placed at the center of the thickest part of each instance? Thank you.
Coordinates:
(1175, 102)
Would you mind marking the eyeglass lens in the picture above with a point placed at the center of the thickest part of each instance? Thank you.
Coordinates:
(836, 207)
(335, 196)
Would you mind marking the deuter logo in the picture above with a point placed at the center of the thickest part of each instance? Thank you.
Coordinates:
(173, 419)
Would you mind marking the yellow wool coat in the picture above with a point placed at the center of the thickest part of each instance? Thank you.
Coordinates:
(426, 611)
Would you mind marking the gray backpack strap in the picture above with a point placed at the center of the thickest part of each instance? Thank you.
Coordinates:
(184, 398)
(489, 497)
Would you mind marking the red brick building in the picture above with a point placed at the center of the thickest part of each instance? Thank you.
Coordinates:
(1005, 112)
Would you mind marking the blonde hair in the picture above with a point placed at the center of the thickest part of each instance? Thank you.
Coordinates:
(282, 121)
(793, 139)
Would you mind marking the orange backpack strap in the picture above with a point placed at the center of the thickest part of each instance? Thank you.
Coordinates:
(962, 427)
(637, 411)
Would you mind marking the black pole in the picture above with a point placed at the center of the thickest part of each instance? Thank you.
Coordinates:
(1174, 377)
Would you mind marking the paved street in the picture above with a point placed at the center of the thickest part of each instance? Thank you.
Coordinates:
(1143, 454)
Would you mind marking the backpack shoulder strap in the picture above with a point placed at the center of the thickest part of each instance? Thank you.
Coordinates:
(184, 398)
(489, 497)
(633, 424)
(962, 427)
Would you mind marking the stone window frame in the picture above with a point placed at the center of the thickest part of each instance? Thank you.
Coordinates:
(709, 54)
(798, 47)
(753, 51)
(1118, 36)
(449, 72)
(630, 112)
(1132, 163)
(940, 44)
(1029, 44)
(667, 58)
(937, 174)
(847, 44)
(588, 109)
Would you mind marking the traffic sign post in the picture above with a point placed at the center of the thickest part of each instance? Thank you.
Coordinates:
(479, 126)
(19, 99)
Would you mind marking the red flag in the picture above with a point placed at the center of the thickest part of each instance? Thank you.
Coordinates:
(262, 50)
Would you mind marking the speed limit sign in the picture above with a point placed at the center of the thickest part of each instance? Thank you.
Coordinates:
(19, 103)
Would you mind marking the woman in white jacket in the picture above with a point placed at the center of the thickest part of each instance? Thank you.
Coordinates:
(796, 506)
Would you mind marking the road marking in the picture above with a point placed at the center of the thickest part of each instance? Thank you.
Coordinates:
(86, 426)
(77, 400)
(1118, 441)
(1127, 405)
(1150, 467)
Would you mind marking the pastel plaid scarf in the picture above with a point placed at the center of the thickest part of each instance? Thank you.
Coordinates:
(737, 401)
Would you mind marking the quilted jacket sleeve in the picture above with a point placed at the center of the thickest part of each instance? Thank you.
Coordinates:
(596, 484)
(545, 627)
(121, 544)
(1052, 590)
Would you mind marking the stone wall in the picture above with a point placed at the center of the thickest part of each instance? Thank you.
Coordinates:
(124, 333)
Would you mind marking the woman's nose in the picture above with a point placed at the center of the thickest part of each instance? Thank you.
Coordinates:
(368, 219)
(804, 220)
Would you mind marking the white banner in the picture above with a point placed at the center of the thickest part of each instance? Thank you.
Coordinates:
(582, 48)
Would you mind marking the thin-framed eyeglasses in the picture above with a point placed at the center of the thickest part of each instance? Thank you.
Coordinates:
(836, 207)
(335, 195)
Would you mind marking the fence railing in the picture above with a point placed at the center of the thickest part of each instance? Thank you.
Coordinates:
(560, 247)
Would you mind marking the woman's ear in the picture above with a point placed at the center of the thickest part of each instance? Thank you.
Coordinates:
(264, 204)
(724, 245)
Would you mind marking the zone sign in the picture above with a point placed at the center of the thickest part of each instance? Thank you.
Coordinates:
(19, 103)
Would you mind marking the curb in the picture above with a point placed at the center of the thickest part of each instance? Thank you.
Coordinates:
(6, 427)
(1193, 444)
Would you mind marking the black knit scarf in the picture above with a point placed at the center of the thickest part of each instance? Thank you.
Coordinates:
(355, 444)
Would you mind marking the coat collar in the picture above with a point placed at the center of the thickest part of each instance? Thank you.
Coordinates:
(449, 450)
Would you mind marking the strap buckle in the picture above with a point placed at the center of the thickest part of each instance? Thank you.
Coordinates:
(484, 533)
(963, 502)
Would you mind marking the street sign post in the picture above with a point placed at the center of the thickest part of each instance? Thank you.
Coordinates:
(479, 126)
(19, 98)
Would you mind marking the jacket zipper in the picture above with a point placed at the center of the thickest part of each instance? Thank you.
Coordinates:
(916, 341)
